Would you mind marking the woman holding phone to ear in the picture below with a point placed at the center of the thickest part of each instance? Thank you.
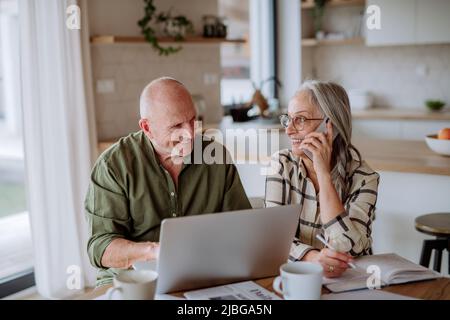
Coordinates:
(324, 173)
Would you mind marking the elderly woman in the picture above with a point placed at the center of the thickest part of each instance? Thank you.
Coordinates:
(336, 189)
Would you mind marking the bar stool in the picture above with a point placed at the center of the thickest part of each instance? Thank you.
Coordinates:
(438, 225)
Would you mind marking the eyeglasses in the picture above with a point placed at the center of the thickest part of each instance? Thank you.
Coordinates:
(298, 122)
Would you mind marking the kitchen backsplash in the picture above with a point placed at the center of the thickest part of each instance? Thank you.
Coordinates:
(398, 76)
(132, 66)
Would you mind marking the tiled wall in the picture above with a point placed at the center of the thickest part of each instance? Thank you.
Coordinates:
(390, 73)
(132, 66)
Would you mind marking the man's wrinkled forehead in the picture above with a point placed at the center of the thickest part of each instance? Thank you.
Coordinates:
(170, 101)
(170, 116)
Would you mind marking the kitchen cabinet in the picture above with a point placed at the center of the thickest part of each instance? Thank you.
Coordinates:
(397, 23)
(397, 129)
(433, 22)
(376, 129)
(411, 22)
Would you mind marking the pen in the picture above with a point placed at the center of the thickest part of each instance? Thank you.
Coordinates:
(330, 247)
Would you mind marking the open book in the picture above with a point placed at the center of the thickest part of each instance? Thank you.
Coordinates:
(393, 269)
(247, 290)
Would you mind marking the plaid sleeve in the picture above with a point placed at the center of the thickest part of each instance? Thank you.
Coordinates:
(351, 230)
(275, 188)
(298, 250)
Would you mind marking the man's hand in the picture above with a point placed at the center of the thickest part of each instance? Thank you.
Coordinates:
(122, 253)
(334, 263)
(152, 251)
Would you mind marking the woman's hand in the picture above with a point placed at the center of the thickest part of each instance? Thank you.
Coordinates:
(333, 263)
(320, 145)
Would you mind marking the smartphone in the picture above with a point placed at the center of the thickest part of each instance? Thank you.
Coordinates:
(321, 128)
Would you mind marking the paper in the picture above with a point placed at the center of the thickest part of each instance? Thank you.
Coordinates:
(247, 290)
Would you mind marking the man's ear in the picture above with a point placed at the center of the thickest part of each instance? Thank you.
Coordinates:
(145, 126)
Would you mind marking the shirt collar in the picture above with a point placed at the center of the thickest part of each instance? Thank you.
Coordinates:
(149, 149)
(188, 159)
(302, 168)
(300, 164)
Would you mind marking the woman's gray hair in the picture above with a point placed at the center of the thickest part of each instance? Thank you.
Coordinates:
(333, 102)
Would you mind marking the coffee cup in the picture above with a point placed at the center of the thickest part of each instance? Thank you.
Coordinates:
(133, 285)
(299, 281)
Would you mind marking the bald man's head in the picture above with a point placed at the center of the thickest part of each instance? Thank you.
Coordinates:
(161, 92)
(167, 116)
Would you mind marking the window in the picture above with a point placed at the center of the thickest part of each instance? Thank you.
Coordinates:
(16, 261)
(236, 85)
(251, 62)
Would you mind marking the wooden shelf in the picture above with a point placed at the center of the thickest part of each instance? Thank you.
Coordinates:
(334, 3)
(313, 42)
(389, 113)
(108, 39)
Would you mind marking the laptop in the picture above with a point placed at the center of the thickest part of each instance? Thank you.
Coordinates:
(214, 249)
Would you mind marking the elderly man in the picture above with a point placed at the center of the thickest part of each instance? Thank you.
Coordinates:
(145, 178)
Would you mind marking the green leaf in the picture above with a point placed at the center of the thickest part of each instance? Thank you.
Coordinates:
(149, 33)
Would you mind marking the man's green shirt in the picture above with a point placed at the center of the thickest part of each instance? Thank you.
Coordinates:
(130, 193)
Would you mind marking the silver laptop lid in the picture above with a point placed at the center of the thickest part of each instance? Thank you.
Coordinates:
(214, 249)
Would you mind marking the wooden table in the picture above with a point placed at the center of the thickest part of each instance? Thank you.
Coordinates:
(438, 289)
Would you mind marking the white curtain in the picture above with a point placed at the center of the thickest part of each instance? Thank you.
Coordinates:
(59, 145)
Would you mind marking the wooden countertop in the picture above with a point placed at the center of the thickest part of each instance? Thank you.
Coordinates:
(387, 155)
(383, 113)
(402, 156)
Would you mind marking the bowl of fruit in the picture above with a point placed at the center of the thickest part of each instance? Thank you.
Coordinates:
(440, 143)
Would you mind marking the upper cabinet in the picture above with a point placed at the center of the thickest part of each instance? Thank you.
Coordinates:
(432, 21)
(397, 23)
(411, 22)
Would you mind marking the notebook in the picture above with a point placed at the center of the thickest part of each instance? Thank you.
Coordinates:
(393, 269)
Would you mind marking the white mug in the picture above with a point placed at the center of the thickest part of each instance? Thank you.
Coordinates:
(134, 285)
(300, 281)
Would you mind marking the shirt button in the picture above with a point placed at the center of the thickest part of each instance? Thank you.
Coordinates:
(174, 214)
(172, 194)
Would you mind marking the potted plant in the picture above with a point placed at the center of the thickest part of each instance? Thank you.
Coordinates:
(175, 27)
(434, 105)
(318, 11)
